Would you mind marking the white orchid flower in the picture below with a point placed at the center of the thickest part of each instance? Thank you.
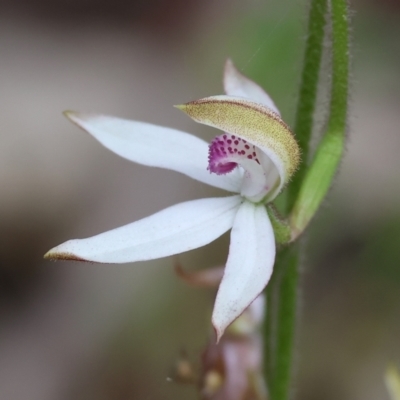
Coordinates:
(254, 158)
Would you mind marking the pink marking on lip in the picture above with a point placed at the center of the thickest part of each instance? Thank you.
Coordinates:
(226, 151)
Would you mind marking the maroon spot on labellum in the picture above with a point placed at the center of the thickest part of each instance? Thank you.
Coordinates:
(227, 151)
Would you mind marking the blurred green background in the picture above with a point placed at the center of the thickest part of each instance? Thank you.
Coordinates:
(78, 331)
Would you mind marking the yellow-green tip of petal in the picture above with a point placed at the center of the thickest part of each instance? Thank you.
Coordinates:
(69, 113)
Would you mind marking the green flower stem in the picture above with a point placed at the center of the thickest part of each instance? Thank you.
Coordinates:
(308, 187)
(282, 290)
(308, 92)
(281, 322)
(319, 176)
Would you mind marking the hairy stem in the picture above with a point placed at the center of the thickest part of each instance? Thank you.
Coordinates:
(319, 176)
(281, 322)
(309, 186)
(308, 92)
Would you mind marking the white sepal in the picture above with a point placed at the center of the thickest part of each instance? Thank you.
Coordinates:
(249, 266)
(176, 229)
(155, 146)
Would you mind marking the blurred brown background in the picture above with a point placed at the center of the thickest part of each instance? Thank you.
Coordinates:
(72, 331)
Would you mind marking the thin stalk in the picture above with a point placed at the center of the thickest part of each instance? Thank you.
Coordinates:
(281, 322)
(308, 92)
(308, 187)
(282, 290)
(321, 172)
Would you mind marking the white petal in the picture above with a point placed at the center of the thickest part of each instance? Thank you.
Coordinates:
(236, 84)
(176, 229)
(249, 266)
(155, 146)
